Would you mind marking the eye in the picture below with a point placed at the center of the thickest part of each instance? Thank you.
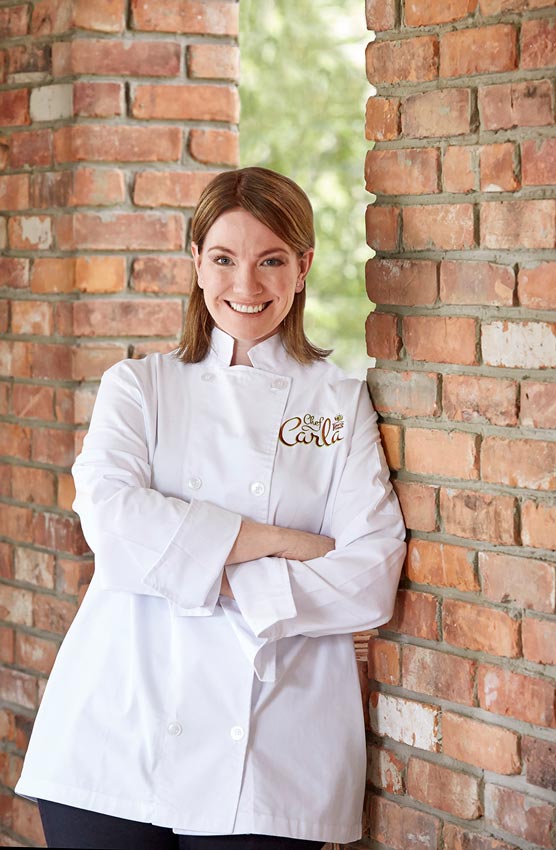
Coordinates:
(222, 261)
(273, 261)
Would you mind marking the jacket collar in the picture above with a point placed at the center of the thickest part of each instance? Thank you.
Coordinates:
(268, 355)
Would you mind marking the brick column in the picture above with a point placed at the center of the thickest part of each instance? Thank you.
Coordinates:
(464, 167)
(113, 116)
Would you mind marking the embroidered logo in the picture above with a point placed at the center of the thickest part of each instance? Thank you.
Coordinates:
(321, 430)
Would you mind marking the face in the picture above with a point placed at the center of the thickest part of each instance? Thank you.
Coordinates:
(249, 276)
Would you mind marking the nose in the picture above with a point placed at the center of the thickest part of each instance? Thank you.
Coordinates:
(246, 281)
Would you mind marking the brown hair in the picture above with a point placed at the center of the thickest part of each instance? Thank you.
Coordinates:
(282, 206)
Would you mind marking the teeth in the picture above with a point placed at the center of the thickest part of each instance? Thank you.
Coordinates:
(246, 308)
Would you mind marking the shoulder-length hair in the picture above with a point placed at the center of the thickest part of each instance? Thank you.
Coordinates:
(282, 206)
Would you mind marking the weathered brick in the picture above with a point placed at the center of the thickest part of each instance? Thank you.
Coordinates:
(15, 441)
(479, 628)
(538, 524)
(52, 614)
(124, 58)
(519, 463)
(538, 404)
(476, 283)
(133, 317)
(16, 605)
(539, 640)
(438, 674)
(412, 171)
(458, 168)
(415, 613)
(213, 61)
(386, 770)
(441, 564)
(122, 231)
(14, 107)
(451, 454)
(18, 688)
(480, 744)
(480, 50)
(90, 361)
(14, 20)
(33, 401)
(382, 118)
(97, 100)
(538, 43)
(73, 575)
(404, 393)
(401, 827)
(526, 582)
(384, 661)
(410, 60)
(32, 317)
(529, 224)
(515, 695)
(100, 274)
(97, 187)
(443, 788)
(51, 361)
(17, 523)
(51, 16)
(51, 102)
(538, 162)
(214, 18)
(170, 188)
(439, 226)
(539, 758)
(406, 282)
(438, 113)
(536, 286)
(391, 437)
(122, 144)
(51, 189)
(423, 13)
(214, 147)
(34, 486)
(519, 814)
(418, 504)
(50, 445)
(30, 148)
(527, 104)
(382, 226)
(406, 721)
(34, 653)
(523, 345)
(441, 339)
(34, 567)
(380, 14)
(499, 168)
(30, 232)
(186, 103)
(478, 515)
(29, 58)
(162, 274)
(100, 16)
(381, 333)
(53, 274)
(14, 272)
(495, 7)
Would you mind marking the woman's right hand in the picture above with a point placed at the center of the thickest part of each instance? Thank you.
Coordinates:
(302, 545)
(258, 540)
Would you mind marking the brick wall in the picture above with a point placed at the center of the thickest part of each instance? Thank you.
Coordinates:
(463, 752)
(113, 116)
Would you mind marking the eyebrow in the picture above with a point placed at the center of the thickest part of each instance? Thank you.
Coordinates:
(263, 254)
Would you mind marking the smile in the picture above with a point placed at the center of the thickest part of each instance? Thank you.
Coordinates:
(247, 308)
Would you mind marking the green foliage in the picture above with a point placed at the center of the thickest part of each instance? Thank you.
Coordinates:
(303, 90)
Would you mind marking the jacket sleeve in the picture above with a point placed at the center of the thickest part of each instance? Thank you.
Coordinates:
(353, 587)
(144, 542)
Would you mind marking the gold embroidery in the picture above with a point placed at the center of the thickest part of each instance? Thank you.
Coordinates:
(322, 431)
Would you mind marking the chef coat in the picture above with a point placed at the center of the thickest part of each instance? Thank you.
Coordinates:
(173, 705)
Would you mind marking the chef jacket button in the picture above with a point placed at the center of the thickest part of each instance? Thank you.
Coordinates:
(175, 728)
(194, 483)
(236, 733)
(208, 376)
(279, 384)
(257, 488)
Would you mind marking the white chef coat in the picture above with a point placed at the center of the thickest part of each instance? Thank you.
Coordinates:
(169, 704)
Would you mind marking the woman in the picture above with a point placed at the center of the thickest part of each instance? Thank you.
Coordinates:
(237, 500)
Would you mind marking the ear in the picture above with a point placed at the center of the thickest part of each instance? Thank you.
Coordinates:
(196, 260)
(305, 263)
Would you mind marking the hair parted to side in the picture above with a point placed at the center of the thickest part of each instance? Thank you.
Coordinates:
(282, 206)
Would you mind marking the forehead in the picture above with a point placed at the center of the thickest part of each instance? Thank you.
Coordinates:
(239, 228)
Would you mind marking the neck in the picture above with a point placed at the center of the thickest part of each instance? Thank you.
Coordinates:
(240, 356)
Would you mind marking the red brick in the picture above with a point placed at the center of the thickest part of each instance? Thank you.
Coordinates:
(499, 168)
(538, 162)
(28, 59)
(402, 172)
(441, 339)
(97, 187)
(415, 614)
(161, 274)
(100, 274)
(214, 18)
(381, 333)
(404, 393)
(380, 14)
(476, 283)
(401, 827)
(16, 523)
(539, 525)
(32, 317)
(52, 614)
(528, 104)
(53, 446)
(443, 788)
(6, 568)
(458, 168)
(418, 504)
(410, 60)
(51, 16)
(30, 148)
(14, 192)
(450, 454)
(536, 288)
(186, 103)
(529, 224)
(14, 441)
(386, 770)
(89, 362)
(122, 231)
(423, 13)
(16, 605)
(35, 654)
(66, 491)
(53, 274)
(134, 317)
(213, 61)
(538, 43)
(479, 628)
(101, 16)
(97, 100)
(538, 404)
(439, 226)
(438, 674)
(170, 188)
(214, 147)
(14, 107)
(521, 581)
(382, 118)
(18, 688)
(480, 50)
(528, 345)
(519, 463)
(495, 7)
(478, 516)
(437, 113)
(34, 567)
(34, 486)
(480, 744)
(51, 189)
(14, 272)
(441, 564)
(539, 758)
(518, 814)
(391, 437)
(7, 644)
(14, 21)
(539, 640)
(15, 359)
(382, 227)
(384, 661)
(514, 695)
(29, 233)
(124, 144)
(73, 575)
(125, 58)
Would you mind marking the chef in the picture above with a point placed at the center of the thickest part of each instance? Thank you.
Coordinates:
(238, 503)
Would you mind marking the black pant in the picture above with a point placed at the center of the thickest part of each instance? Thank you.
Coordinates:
(66, 826)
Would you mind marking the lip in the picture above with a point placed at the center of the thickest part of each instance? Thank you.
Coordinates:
(254, 308)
